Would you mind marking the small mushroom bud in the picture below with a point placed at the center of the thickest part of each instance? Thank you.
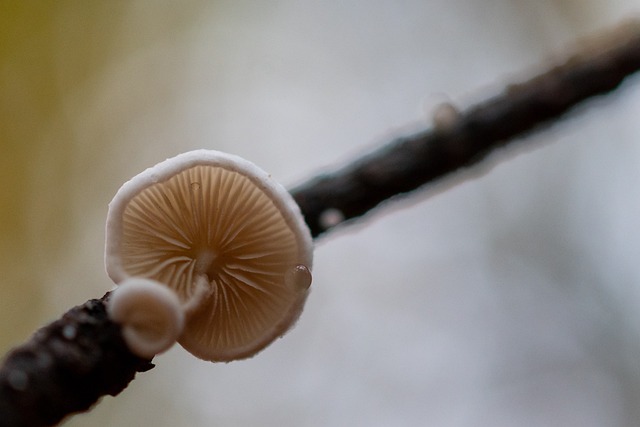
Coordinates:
(226, 238)
(151, 315)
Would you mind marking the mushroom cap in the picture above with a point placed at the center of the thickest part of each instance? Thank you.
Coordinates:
(226, 237)
(151, 315)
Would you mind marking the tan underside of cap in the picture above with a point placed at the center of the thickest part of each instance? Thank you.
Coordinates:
(217, 228)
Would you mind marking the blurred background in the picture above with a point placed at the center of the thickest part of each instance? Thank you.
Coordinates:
(507, 298)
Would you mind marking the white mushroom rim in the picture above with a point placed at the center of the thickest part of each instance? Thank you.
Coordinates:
(151, 315)
(226, 238)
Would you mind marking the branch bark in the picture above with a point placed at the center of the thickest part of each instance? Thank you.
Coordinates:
(68, 365)
(466, 138)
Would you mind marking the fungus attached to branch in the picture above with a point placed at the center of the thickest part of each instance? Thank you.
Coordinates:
(151, 316)
(226, 238)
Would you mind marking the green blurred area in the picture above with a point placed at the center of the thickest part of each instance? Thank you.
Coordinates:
(76, 76)
(51, 52)
(30, 96)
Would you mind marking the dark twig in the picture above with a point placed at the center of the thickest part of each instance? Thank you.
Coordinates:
(68, 365)
(65, 368)
(466, 138)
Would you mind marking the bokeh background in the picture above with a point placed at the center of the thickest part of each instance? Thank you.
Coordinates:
(507, 297)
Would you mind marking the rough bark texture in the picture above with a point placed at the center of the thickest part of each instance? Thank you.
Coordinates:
(68, 365)
(463, 139)
(65, 368)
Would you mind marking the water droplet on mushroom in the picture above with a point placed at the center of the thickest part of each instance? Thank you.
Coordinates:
(298, 277)
(195, 186)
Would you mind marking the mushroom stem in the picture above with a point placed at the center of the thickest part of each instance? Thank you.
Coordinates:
(201, 290)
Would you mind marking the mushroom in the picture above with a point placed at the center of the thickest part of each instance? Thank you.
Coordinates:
(151, 315)
(226, 238)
